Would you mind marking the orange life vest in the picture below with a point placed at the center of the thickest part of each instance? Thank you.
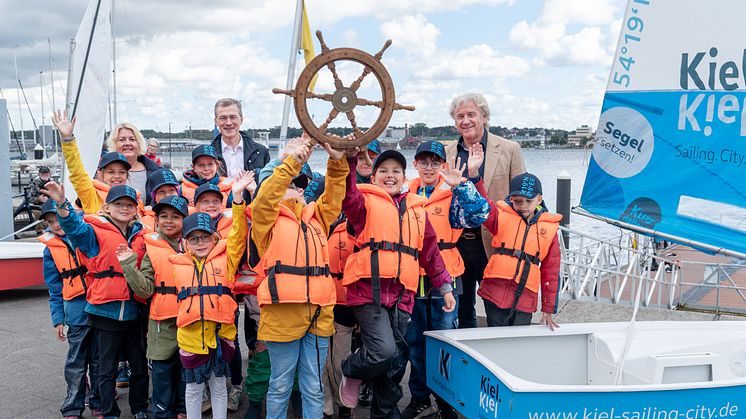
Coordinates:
(188, 187)
(163, 303)
(390, 243)
(247, 279)
(105, 277)
(296, 262)
(72, 272)
(224, 224)
(102, 190)
(147, 219)
(438, 207)
(341, 245)
(519, 248)
(206, 294)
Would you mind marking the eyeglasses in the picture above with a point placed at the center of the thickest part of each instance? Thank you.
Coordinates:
(232, 118)
(195, 240)
(430, 165)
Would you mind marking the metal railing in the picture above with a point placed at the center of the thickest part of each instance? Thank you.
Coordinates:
(612, 270)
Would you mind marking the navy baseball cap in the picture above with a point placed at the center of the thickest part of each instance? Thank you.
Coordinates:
(306, 170)
(301, 181)
(374, 147)
(387, 155)
(205, 150)
(112, 157)
(48, 207)
(205, 188)
(433, 147)
(162, 177)
(314, 189)
(525, 185)
(197, 221)
(121, 191)
(178, 203)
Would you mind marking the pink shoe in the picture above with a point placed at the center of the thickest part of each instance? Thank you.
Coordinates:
(349, 391)
(97, 414)
(181, 416)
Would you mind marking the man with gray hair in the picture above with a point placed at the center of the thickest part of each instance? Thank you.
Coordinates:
(237, 149)
(502, 161)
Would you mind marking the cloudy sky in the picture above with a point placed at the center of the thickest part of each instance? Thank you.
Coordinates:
(538, 62)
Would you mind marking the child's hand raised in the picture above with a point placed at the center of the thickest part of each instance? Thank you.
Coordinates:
(243, 181)
(55, 191)
(123, 252)
(65, 127)
(452, 175)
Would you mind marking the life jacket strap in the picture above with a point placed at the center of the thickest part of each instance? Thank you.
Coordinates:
(109, 273)
(442, 245)
(80, 270)
(518, 254)
(163, 289)
(279, 268)
(218, 290)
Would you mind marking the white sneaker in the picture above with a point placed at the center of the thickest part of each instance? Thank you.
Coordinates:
(234, 398)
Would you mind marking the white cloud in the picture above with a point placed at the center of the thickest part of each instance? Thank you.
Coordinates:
(412, 33)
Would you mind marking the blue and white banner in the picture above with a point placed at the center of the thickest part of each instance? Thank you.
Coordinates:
(670, 150)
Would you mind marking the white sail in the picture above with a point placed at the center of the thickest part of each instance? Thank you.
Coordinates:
(90, 76)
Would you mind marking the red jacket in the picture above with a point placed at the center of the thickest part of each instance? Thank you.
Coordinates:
(360, 292)
(550, 265)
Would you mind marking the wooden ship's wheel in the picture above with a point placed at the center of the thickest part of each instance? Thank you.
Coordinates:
(344, 99)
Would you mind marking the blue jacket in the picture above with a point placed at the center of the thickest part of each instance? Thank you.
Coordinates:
(83, 237)
(70, 312)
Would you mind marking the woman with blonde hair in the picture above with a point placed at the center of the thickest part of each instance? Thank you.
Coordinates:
(125, 138)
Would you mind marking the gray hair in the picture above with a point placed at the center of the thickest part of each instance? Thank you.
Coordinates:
(478, 100)
(225, 102)
(154, 142)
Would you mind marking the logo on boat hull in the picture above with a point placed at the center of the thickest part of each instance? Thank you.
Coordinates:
(444, 366)
(624, 142)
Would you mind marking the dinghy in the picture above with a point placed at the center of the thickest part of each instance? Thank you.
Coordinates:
(21, 265)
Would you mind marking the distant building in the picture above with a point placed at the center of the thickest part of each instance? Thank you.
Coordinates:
(541, 138)
(582, 135)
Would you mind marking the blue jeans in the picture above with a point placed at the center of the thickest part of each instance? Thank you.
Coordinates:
(168, 388)
(81, 358)
(308, 354)
(439, 320)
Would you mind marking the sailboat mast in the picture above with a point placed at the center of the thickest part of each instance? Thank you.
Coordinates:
(51, 80)
(43, 131)
(291, 68)
(114, 65)
(18, 92)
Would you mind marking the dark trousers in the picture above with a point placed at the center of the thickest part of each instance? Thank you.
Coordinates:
(168, 388)
(382, 358)
(81, 358)
(475, 260)
(109, 342)
(497, 316)
(236, 363)
(427, 315)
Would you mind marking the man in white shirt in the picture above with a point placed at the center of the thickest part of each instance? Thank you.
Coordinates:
(238, 150)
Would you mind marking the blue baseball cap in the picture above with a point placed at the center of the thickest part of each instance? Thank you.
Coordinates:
(121, 191)
(205, 188)
(204, 150)
(178, 203)
(197, 221)
(306, 170)
(160, 178)
(387, 155)
(48, 207)
(525, 185)
(315, 188)
(374, 147)
(112, 157)
(432, 147)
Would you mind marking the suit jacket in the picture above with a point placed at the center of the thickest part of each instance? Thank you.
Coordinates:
(502, 161)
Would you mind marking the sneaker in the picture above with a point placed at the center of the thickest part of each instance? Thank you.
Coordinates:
(71, 417)
(141, 415)
(254, 411)
(349, 391)
(366, 394)
(234, 398)
(97, 414)
(123, 375)
(206, 403)
(344, 412)
(181, 416)
(417, 409)
(445, 410)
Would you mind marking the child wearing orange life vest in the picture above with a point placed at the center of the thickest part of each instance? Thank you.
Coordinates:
(113, 169)
(65, 277)
(203, 277)
(526, 258)
(154, 280)
(113, 309)
(297, 294)
(452, 204)
(161, 183)
(394, 238)
(205, 166)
